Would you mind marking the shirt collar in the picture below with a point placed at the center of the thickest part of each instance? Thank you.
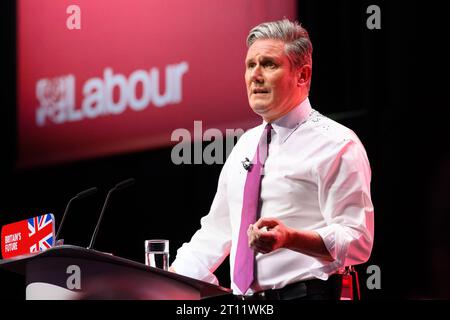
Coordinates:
(288, 123)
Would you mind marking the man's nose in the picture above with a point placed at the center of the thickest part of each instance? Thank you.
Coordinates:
(257, 75)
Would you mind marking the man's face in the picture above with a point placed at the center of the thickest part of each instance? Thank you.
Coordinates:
(271, 82)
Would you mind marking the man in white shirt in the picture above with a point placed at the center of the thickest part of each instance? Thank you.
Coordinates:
(315, 214)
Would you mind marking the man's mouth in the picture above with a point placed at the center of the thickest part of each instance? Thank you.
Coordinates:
(260, 91)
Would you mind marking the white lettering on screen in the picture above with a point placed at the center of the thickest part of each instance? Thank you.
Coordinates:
(109, 95)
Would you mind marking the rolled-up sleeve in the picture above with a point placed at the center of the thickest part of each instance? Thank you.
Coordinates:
(346, 205)
(211, 244)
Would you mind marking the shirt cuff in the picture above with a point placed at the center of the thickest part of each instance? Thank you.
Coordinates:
(190, 266)
(328, 235)
(335, 241)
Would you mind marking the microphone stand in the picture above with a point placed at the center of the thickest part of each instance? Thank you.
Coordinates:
(119, 186)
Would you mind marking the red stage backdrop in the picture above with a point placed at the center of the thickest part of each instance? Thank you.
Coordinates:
(134, 72)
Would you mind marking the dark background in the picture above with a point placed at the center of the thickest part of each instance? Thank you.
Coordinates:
(390, 86)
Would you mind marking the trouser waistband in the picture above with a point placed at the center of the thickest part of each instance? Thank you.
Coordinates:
(308, 289)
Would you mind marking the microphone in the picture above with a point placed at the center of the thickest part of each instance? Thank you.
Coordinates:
(119, 186)
(247, 164)
(124, 184)
(80, 195)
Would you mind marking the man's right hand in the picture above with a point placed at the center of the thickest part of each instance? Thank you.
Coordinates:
(267, 235)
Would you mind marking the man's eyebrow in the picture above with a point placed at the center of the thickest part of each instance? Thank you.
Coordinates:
(268, 58)
(263, 59)
(248, 61)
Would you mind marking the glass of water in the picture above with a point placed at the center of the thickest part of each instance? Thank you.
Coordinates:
(157, 253)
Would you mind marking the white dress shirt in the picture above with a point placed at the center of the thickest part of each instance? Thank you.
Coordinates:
(317, 177)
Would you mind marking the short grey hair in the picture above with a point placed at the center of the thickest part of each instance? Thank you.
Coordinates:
(298, 46)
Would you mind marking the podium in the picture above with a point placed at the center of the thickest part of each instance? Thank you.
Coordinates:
(71, 273)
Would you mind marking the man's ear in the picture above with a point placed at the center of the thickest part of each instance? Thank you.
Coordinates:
(303, 75)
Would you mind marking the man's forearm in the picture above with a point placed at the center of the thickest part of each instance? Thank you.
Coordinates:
(307, 242)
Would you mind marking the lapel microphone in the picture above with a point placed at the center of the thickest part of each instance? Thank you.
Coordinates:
(247, 164)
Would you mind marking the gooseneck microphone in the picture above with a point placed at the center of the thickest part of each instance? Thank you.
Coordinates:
(80, 195)
(124, 184)
(121, 185)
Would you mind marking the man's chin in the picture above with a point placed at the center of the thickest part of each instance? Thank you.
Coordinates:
(260, 108)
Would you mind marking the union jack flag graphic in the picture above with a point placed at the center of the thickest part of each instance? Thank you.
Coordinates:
(41, 232)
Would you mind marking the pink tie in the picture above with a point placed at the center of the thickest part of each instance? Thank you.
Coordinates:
(245, 257)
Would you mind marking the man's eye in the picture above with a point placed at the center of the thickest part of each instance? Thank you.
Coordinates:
(250, 65)
(270, 65)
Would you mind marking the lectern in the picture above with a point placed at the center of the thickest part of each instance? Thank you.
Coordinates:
(71, 272)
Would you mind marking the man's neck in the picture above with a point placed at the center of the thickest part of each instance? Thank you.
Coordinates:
(285, 112)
